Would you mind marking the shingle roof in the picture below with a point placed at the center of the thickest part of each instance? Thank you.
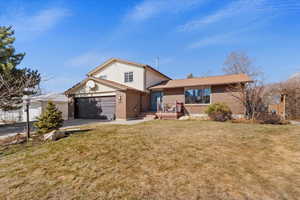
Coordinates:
(113, 84)
(91, 73)
(211, 80)
(57, 97)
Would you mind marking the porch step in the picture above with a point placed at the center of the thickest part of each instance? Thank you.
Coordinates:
(147, 115)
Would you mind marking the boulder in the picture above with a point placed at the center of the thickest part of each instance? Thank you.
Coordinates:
(16, 139)
(195, 117)
(185, 117)
(55, 135)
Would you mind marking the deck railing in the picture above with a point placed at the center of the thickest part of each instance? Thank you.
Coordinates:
(176, 107)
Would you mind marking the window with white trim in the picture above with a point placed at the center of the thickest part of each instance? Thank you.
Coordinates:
(198, 96)
(128, 77)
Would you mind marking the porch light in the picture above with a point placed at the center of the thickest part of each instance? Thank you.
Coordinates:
(26, 102)
(119, 98)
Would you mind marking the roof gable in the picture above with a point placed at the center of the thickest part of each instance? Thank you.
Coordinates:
(112, 60)
(108, 83)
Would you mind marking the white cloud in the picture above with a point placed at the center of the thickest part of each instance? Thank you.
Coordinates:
(88, 59)
(244, 11)
(151, 8)
(44, 20)
(226, 37)
(213, 40)
(234, 9)
(28, 25)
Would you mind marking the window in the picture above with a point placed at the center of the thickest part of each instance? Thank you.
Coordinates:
(197, 96)
(128, 77)
(103, 77)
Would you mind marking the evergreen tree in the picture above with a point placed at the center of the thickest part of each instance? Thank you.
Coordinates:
(190, 75)
(8, 58)
(13, 80)
(50, 120)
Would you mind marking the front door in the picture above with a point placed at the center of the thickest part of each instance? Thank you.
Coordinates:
(155, 97)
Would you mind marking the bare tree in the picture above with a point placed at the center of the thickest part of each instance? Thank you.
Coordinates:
(287, 87)
(240, 63)
(13, 87)
(250, 95)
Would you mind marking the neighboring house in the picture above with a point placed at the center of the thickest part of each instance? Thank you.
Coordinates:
(284, 98)
(289, 105)
(39, 103)
(11, 116)
(120, 89)
(37, 107)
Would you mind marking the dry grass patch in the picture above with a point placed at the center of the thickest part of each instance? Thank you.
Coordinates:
(160, 160)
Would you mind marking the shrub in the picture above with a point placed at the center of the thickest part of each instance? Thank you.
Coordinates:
(219, 112)
(269, 118)
(50, 120)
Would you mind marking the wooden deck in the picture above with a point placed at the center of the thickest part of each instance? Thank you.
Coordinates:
(166, 115)
(173, 112)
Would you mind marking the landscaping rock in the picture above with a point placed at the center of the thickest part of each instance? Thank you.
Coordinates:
(16, 139)
(184, 118)
(54, 135)
(194, 117)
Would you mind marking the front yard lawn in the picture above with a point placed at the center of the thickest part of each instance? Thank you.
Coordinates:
(160, 160)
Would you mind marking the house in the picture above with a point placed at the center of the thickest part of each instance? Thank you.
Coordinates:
(37, 106)
(284, 98)
(288, 106)
(39, 103)
(120, 89)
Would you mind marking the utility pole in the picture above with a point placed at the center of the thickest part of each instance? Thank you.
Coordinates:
(157, 63)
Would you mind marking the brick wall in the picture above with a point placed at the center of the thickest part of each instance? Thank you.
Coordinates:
(145, 104)
(133, 104)
(172, 95)
(120, 105)
(219, 94)
(71, 107)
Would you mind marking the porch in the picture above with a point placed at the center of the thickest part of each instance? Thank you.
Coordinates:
(169, 111)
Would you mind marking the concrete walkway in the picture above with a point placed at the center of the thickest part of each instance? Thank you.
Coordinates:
(20, 128)
(295, 122)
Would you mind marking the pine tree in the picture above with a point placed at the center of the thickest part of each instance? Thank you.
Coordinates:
(13, 80)
(50, 120)
(8, 58)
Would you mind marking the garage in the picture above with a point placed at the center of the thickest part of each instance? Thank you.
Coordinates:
(95, 107)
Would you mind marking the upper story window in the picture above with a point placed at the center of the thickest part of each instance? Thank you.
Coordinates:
(128, 77)
(198, 96)
(103, 77)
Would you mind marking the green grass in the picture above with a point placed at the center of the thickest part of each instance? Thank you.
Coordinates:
(159, 160)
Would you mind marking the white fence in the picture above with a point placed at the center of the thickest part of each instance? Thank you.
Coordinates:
(12, 115)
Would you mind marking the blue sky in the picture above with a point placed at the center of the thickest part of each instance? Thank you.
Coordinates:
(64, 39)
